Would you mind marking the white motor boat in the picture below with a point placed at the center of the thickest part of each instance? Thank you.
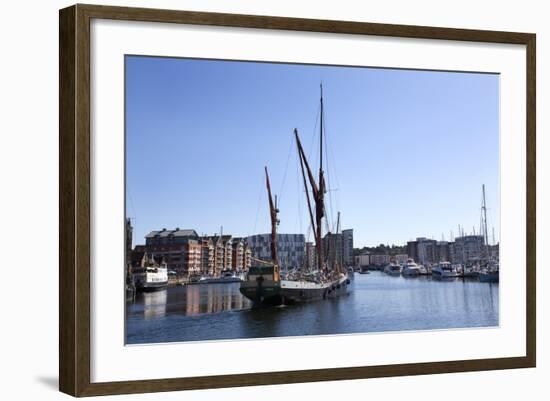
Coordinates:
(444, 270)
(411, 269)
(393, 269)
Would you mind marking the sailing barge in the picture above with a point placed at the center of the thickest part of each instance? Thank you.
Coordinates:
(264, 284)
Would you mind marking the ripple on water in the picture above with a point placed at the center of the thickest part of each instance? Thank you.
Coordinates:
(377, 302)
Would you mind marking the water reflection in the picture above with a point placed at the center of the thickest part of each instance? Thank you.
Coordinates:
(154, 303)
(204, 299)
(377, 302)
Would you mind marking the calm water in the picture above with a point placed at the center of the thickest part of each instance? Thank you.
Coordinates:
(377, 302)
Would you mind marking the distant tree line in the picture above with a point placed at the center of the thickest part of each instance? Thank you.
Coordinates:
(381, 249)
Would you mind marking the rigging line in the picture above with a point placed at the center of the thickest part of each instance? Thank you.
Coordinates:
(300, 195)
(286, 169)
(314, 133)
(258, 208)
(324, 133)
(313, 142)
(326, 222)
(333, 163)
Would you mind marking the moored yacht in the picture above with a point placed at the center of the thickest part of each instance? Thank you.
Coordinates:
(393, 269)
(444, 270)
(470, 271)
(410, 269)
(423, 271)
(490, 274)
(364, 270)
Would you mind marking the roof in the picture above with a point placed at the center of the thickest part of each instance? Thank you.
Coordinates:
(176, 233)
(213, 238)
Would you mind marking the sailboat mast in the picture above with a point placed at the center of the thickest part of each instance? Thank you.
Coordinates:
(485, 233)
(300, 155)
(321, 139)
(274, 221)
(338, 243)
(319, 206)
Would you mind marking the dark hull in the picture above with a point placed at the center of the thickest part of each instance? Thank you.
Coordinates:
(150, 287)
(217, 281)
(491, 277)
(274, 294)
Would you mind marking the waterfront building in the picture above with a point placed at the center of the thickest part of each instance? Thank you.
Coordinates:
(207, 255)
(339, 247)
(169, 237)
(137, 255)
(290, 248)
(227, 252)
(379, 259)
(465, 249)
(412, 250)
(362, 260)
(452, 254)
(401, 258)
(180, 249)
(189, 255)
(442, 251)
(219, 254)
(426, 250)
(347, 243)
(469, 249)
(238, 254)
(333, 248)
(247, 258)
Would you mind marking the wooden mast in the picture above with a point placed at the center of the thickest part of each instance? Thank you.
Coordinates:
(302, 161)
(319, 201)
(315, 223)
(318, 191)
(274, 222)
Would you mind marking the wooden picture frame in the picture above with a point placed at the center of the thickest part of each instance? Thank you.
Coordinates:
(75, 207)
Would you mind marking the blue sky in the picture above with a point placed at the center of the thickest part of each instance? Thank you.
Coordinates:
(407, 152)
